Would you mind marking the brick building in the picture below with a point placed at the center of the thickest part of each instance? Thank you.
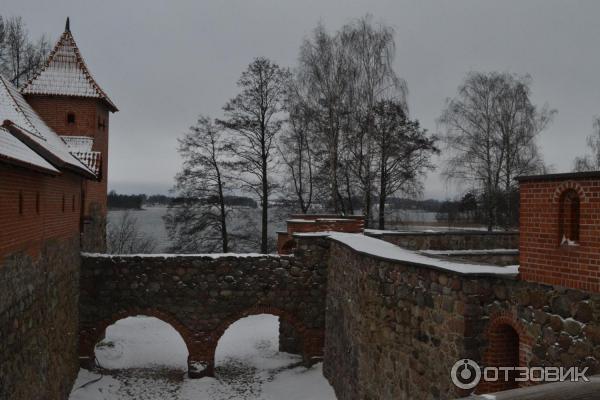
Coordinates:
(68, 99)
(53, 163)
(560, 231)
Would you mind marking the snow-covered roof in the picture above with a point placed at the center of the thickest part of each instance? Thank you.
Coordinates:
(65, 74)
(22, 121)
(79, 144)
(388, 251)
(14, 151)
(92, 159)
(81, 147)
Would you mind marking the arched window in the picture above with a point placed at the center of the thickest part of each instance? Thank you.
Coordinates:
(569, 217)
(71, 118)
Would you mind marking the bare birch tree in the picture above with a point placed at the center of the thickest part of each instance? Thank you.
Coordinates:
(199, 222)
(20, 58)
(255, 117)
(591, 162)
(324, 73)
(371, 52)
(403, 153)
(296, 151)
(491, 129)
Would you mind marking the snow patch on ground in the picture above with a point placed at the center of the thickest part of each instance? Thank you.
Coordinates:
(142, 342)
(248, 366)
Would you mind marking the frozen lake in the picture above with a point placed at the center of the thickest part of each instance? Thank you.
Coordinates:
(150, 221)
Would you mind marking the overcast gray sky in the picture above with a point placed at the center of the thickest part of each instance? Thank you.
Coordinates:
(164, 62)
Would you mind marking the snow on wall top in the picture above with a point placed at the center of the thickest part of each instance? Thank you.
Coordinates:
(14, 107)
(66, 74)
(388, 251)
(178, 255)
(13, 149)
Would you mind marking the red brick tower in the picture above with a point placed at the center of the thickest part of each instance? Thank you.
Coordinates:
(67, 97)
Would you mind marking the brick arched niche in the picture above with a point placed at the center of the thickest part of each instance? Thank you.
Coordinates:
(569, 215)
(568, 197)
(508, 345)
(310, 342)
(90, 337)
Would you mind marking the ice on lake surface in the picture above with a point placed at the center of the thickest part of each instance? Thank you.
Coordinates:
(249, 365)
(150, 222)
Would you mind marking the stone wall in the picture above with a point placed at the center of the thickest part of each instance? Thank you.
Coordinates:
(38, 322)
(451, 240)
(200, 296)
(394, 331)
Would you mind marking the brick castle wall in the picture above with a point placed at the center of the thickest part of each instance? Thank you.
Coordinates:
(39, 284)
(91, 120)
(35, 208)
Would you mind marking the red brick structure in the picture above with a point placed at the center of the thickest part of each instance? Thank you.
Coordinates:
(560, 230)
(299, 223)
(71, 103)
(51, 187)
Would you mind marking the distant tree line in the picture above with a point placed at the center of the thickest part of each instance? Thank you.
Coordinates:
(124, 201)
(138, 201)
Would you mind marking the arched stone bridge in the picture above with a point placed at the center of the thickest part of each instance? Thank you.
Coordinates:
(200, 296)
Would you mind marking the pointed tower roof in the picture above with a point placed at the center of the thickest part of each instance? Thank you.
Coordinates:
(65, 74)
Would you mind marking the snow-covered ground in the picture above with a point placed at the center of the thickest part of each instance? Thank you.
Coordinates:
(147, 360)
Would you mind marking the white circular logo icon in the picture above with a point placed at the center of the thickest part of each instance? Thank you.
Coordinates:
(465, 374)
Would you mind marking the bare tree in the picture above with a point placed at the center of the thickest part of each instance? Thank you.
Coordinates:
(20, 58)
(254, 117)
(324, 74)
(296, 151)
(124, 237)
(371, 51)
(491, 128)
(404, 153)
(591, 162)
(200, 222)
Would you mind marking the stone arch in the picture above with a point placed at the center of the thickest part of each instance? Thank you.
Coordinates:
(88, 338)
(302, 332)
(508, 345)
